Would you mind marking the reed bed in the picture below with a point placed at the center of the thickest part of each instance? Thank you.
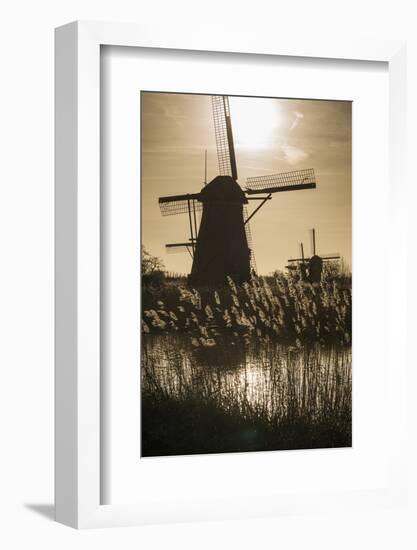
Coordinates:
(261, 396)
(279, 308)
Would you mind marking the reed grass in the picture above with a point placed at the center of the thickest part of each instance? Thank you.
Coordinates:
(263, 396)
(278, 308)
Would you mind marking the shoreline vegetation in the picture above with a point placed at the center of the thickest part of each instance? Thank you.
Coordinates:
(279, 307)
(261, 366)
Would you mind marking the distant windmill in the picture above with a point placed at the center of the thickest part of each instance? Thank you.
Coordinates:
(311, 268)
(221, 245)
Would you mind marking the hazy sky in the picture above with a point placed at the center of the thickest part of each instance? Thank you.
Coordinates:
(271, 136)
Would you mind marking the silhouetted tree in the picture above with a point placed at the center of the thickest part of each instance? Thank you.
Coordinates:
(153, 275)
(150, 264)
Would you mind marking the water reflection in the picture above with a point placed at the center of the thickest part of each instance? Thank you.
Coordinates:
(266, 379)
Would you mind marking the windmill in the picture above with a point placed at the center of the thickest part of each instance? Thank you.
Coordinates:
(221, 244)
(312, 267)
(299, 263)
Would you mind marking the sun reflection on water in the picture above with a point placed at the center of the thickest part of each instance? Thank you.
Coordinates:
(270, 379)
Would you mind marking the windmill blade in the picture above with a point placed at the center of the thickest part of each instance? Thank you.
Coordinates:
(178, 248)
(325, 257)
(180, 204)
(285, 181)
(331, 256)
(313, 241)
(299, 260)
(249, 240)
(224, 136)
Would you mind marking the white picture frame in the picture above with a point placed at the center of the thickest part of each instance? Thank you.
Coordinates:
(78, 405)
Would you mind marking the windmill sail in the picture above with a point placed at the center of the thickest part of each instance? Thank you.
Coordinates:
(224, 136)
(176, 248)
(249, 239)
(313, 241)
(285, 181)
(179, 204)
(331, 256)
(179, 248)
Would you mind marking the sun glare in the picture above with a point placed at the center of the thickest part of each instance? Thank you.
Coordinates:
(254, 121)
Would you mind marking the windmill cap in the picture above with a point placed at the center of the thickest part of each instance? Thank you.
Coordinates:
(223, 189)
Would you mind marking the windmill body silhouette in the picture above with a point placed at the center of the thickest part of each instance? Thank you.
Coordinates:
(221, 245)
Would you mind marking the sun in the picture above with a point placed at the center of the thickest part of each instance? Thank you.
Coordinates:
(254, 121)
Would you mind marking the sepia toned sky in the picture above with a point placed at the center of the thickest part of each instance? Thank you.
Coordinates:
(271, 136)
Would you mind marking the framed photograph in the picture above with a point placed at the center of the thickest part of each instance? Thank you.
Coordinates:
(225, 212)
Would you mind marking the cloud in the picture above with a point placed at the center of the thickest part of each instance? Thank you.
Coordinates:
(297, 117)
(292, 154)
